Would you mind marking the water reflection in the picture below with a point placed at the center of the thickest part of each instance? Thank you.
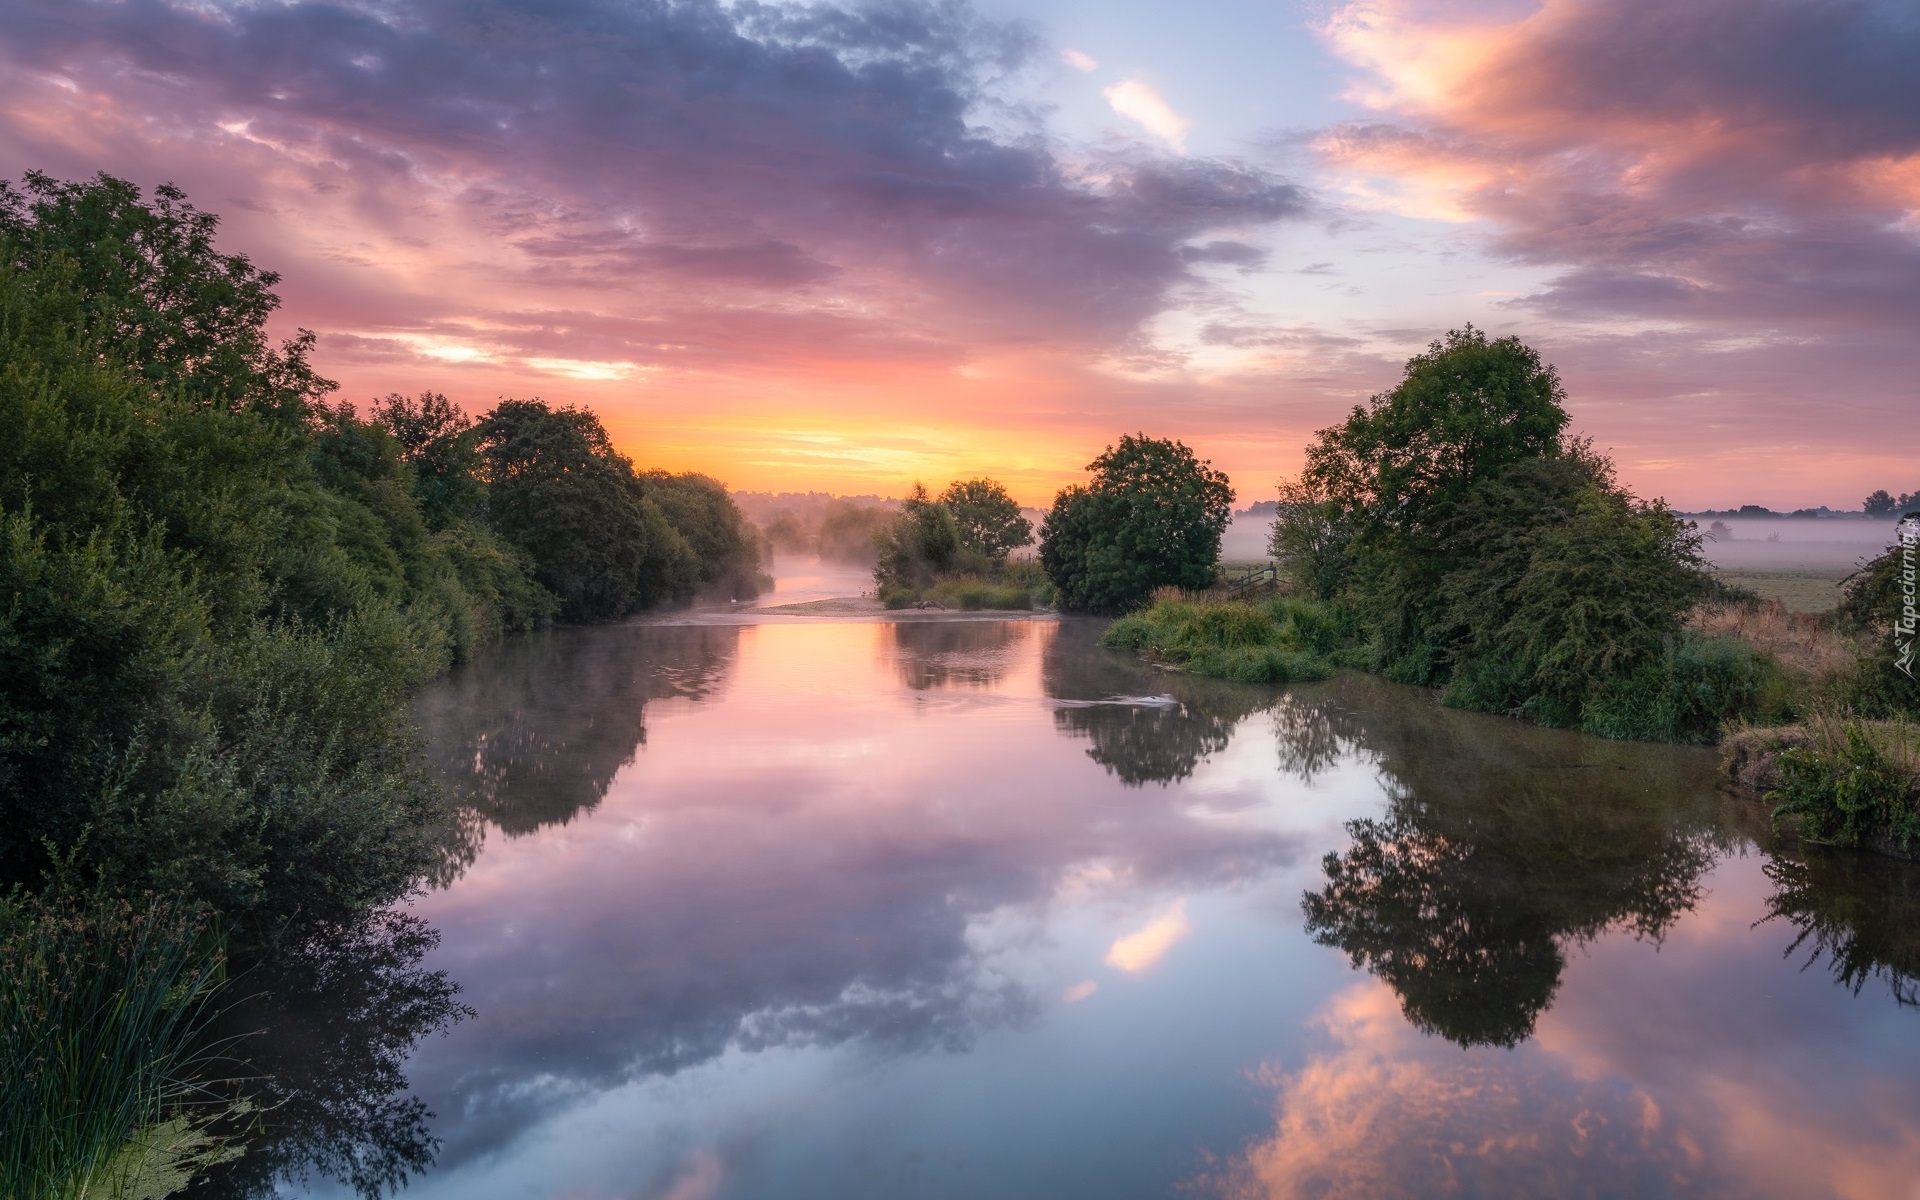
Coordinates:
(1146, 725)
(753, 969)
(953, 654)
(1499, 849)
(804, 866)
(323, 1037)
(1857, 913)
(534, 732)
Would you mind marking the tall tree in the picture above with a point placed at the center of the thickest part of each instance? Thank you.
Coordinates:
(988, 519)
(1152, 516)
(172, 308)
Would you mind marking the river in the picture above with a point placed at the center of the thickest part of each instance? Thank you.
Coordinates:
(796, 908)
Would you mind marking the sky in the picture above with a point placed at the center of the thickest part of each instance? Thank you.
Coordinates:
(842, 246)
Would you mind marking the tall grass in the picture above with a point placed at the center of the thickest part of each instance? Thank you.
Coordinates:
(1280, 641)
(102, 1008)
(1018, 584)
(1851, 783)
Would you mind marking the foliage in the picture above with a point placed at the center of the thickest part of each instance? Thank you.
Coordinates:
(1151, 517)
(1873, 609)
(1559, 583)
(1309, 540)
(987, 518)
(726, 549)
(1278, 642)
(1487, 552)
(1687, 693)
(222, 591)
(180, 314)
(1881, 503)
(558, 490)
(205, 655)
(1853, 784)
(432, 434)
(102, 1008)
(1466, 410)
(920, 543)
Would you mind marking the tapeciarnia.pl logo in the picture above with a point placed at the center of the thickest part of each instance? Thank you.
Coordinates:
(1903, 624)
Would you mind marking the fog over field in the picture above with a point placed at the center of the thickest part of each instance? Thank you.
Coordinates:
(1785, 543)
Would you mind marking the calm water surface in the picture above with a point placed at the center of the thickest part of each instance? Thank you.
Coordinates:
(979, 909)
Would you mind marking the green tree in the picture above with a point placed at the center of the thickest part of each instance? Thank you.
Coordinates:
(177, 312)
(1465, 411)
(919, 544)
(435, 437)
(1490, 552)
(725, 547)
(988, 519)
(557, 489)
(1398, 469)
(1152, 516)
(1309, 540)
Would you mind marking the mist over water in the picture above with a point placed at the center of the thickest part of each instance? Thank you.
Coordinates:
(979, 908)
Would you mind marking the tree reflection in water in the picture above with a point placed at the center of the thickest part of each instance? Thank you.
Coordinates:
(1502, 845)
(323, 1038)
(534, 732)
(1859, 912)
(953, 654)
(1146, 725)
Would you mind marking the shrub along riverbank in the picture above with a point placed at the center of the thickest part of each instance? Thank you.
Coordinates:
(223, 591)
(954, 551)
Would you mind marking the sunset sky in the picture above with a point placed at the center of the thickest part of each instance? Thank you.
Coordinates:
(840, 247)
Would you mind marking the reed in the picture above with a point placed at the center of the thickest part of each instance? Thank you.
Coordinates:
(103, 1008)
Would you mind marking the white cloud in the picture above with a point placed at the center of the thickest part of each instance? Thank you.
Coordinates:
(1143, 948)
(1139, 103)
(574, 368)
(1079, 60)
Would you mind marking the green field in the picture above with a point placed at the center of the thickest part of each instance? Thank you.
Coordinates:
(1800, 589)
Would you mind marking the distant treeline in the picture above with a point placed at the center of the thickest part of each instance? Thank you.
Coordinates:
(1820, 513)
(837, 528)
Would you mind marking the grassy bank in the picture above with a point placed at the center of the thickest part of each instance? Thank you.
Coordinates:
(1281, 640)
(1836, 781)
(1019, 584)
(1680, 694)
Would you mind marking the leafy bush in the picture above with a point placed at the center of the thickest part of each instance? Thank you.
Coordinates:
(1688, 693)
(1151, 517)
(1853, 783)
(1873, 608)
